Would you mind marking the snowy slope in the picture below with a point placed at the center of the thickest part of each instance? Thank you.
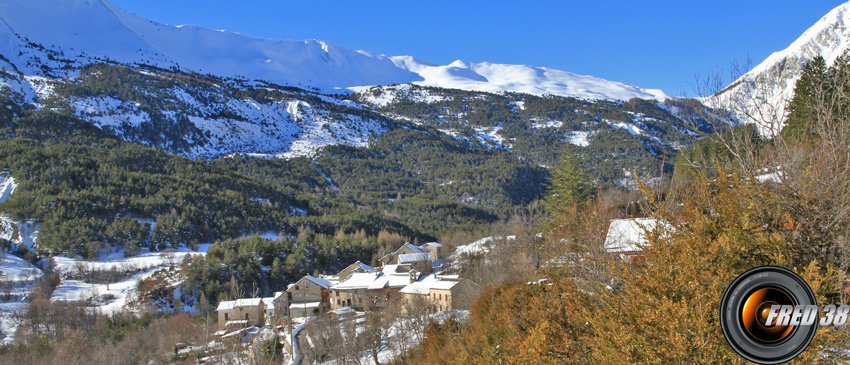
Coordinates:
(95, 28)
(84, 31)
(494, 77)
(772, 82)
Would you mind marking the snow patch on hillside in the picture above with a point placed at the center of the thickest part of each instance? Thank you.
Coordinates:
(491, 136)
(17, 232)
(480, 246)
(8, 186)
(547, 124)
(578, 138)
(630, 127)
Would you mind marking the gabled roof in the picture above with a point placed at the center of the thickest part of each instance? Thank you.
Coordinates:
(389, 281)
(433, 244)
(415, 249)
(248, 302)
(425, 284)
(628, 235)
(396, 268)
(324, 283)
(269, 302)
(359, 280)
(374, 281)
(413, 257)
(364, 267)
(226, 305)
(359, 266)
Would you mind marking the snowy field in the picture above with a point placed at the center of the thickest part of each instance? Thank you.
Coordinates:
(18, 280)
(117, 293)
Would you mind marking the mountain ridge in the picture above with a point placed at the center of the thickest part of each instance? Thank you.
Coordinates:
(760, 95)
(86, 29)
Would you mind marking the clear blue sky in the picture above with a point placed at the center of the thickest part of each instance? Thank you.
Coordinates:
(652, 44)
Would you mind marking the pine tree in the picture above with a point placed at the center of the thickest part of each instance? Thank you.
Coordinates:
(810, 88)
(569, 186)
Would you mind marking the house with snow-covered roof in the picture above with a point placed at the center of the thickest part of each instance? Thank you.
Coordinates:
(240, 313)
(354, 268)
(626, 238)
(440, 292)
(309, 296)
(420, 258)
(370, 290)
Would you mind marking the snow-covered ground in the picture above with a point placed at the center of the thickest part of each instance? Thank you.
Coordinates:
(630, 127)
(114, 295)
(480, 246)
(18, 280)
(578, 138)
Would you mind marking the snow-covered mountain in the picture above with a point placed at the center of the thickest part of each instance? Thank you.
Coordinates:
(86, 30)
(761, 94)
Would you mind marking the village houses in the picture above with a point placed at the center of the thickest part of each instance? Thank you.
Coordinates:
(371, 290)
(405, 274)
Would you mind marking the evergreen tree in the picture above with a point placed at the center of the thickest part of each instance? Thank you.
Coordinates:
(810, 89)
(569, 185)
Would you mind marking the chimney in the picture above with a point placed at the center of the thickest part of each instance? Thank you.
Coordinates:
(414, 276)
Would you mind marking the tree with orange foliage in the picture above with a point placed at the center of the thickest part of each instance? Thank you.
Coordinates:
(666, 309)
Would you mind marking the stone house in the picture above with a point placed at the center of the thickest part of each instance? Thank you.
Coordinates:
(240, 313)
(443, 292)
(420, 258)
(309, 296)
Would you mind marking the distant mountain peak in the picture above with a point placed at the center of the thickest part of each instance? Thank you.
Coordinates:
(767, 88)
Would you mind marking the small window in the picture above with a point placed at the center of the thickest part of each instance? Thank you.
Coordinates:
(296, 287)
(227, 316)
